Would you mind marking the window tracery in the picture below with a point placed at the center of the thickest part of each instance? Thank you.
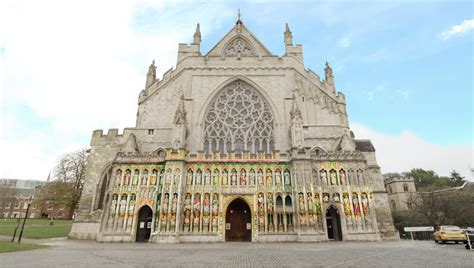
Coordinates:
(238, 119)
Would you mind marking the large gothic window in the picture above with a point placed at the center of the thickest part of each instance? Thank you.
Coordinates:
(238, 119)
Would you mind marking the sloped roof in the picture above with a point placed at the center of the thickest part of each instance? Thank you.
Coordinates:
(239, 31)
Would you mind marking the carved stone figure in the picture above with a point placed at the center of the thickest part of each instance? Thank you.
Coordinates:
(287, 177)
(215, 204)
(233, 178)
(260, 177)
(239, 48)
(365, 204)
(269, 178)
(215, 223)
(153, 177)
(333, 177)
(165, 203)
(224, 177)
(144, 180)
(252, 177)
(168, 177)
(131, 205)
(261, 205)
(174, 204)
(325, 197)
(301, 202)
(135, 177)
(123, 205)
(198, 177)
(215, 177)
(126, 177)
(323, 175)
(118, 177)
(189, 177)
(206, 204)
(243, 177)
(355, 204)
(342, 176)
(347, 206)
(207, 177)
(113, 205)
(277, 177)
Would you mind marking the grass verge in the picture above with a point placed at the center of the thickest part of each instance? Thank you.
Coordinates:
(36, 228)
(7, 246)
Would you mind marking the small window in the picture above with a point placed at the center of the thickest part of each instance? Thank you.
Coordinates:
(409, 205)
(389, 189)
(393, 204)
(151, 131)
(405, 187)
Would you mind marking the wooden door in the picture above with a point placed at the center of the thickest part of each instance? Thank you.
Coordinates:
(238, 221)
(144, 224)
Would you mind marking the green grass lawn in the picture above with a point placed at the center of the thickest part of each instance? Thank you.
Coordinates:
(7, 246)
(36, 228)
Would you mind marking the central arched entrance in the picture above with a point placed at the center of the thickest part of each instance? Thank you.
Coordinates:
(333, 224)
(238, 221)
(145, 216)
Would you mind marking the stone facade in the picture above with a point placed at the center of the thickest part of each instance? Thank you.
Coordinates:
(235, 123)
(401, 191)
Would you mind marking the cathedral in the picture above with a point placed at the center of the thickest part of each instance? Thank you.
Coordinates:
(236, 144)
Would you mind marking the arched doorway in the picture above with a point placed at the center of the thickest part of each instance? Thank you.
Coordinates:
(238, 221)
(145, 216)
(333, 224)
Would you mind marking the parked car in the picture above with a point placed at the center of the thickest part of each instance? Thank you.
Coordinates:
(445, 233)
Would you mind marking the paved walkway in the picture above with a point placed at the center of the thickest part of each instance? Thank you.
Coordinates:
(67, 253)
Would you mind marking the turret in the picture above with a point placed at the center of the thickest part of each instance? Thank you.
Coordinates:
(288, 36)
(151, 75)
(295, 51)
(197, 36)
(329, 78)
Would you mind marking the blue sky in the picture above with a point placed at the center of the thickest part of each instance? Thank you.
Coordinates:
(406, 70)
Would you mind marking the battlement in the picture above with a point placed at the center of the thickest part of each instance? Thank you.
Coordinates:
(186, 50)
(398, 179)
(112, 137)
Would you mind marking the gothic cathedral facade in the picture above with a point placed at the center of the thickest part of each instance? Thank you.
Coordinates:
(235, 145)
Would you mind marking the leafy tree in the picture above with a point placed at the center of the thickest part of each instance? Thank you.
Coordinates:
(65, 190)
(456, 179)
(428, 180)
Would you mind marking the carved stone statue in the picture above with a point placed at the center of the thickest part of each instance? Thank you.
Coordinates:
(296, 125)
(118, 177)
(179, 125)
(287, 177)
(207, 177)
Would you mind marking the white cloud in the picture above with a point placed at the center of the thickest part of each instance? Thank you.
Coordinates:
(345, 42)
(464, 27)
(81, 65)
(406, 151)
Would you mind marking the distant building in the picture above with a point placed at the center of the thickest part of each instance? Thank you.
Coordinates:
(400, 191)
(14, 197)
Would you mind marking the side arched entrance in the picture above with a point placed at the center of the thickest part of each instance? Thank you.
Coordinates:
(145, 216)
(238, 221)
(333, 224)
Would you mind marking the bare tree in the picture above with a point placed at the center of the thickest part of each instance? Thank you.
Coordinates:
(8, 196)
(442, 208)
(66, 188)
